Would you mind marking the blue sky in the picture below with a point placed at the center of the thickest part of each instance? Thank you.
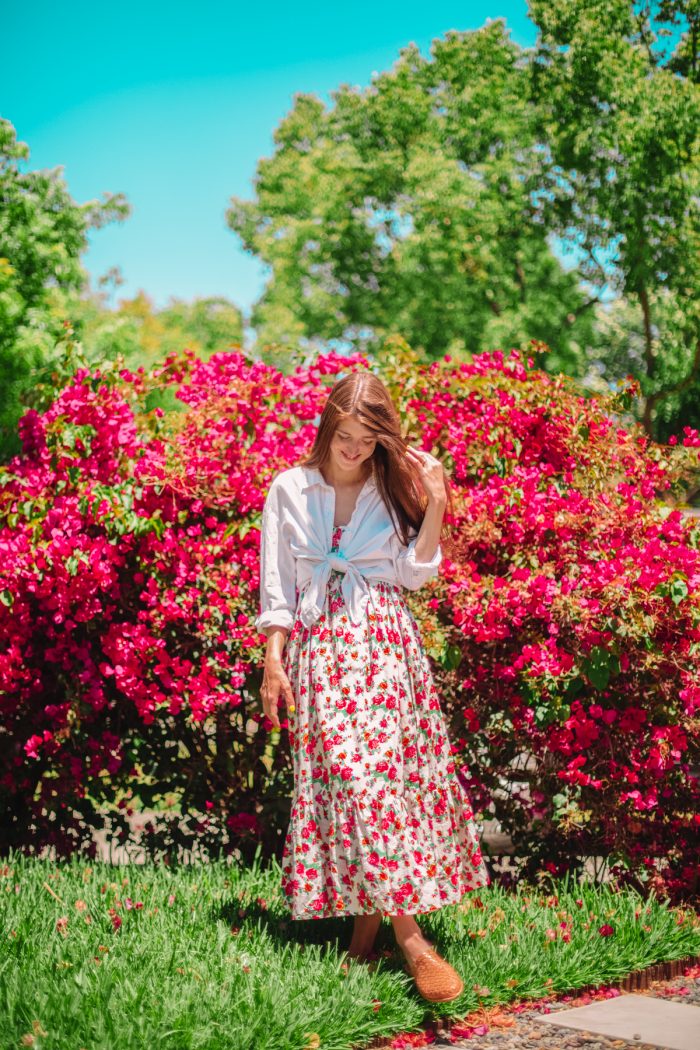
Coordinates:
(173, 105)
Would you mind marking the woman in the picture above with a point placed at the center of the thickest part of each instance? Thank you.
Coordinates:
(380, 824)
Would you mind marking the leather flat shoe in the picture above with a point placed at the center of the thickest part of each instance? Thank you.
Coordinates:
(435, 979)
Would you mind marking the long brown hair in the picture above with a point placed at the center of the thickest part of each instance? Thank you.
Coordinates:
(363, 396)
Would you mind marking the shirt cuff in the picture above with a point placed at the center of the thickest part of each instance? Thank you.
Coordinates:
(280, 618)
(412, 560)
(420, 571)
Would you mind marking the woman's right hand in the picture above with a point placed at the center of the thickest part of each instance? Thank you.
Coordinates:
(275, 684)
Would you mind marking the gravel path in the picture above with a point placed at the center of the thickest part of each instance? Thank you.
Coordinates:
(515, 1027)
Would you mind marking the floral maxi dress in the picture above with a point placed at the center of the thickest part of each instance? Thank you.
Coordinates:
(379, 819)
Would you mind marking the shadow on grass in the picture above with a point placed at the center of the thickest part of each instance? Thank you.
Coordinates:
(332, 935)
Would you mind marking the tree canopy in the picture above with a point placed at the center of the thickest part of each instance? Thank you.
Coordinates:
(43, 233)
(429, 203)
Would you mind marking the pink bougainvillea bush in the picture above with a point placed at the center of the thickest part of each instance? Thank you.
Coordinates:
(572, 601)
(564, 627)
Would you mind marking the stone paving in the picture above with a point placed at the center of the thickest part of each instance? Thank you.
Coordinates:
(528, 1031)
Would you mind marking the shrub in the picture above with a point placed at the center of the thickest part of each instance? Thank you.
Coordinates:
(564, 626)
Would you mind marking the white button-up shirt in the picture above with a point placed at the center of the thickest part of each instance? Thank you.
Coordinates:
(295, 549)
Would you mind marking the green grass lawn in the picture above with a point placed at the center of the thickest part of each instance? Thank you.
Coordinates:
(128, 958)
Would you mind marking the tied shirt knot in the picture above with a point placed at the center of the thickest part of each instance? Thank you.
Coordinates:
(337, 560)
(354, 588)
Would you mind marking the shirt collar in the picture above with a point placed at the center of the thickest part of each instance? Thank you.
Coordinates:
(314, 477)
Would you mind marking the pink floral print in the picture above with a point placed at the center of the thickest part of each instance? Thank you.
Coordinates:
(379, 819)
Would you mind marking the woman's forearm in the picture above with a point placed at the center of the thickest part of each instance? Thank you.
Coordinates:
(429, 534)
(276, 639)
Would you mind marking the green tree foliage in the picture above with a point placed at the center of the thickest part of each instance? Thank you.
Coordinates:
(137, 334)
(142, 334)
(685, 59)
(409, 208)
(428, 204)
(42, 235)
(623, 140)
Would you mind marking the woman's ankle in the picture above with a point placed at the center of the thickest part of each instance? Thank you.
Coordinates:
(413, 941)
(364, 933)
(410, 937)
(405, 928)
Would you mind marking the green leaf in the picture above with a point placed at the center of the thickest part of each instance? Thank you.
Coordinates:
(451, 657)
(678, 590)
(72, 564)
(599, 665)
(573, 688)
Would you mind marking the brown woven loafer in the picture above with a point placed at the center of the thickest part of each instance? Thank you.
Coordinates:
(435, 979)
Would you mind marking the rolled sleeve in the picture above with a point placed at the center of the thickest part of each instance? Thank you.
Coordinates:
(413, 574)
(278, 596)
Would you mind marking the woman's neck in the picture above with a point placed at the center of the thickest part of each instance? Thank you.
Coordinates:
(345, 481)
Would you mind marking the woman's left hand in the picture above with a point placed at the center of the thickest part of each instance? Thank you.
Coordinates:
(430, 471)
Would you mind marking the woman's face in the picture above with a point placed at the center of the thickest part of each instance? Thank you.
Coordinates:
(352, 445)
